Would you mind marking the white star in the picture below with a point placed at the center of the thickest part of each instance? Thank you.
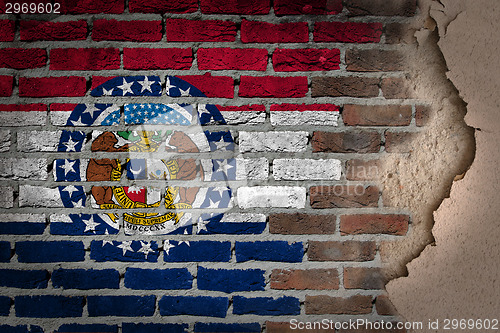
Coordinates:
(104, 242)
(223, 165)
(202, 225)
(168, 86)
(213, 204)
(90, 224)
(107, 92)
(125, 246)
(222, 191)
(68, 167)
(146, 84)
(221, 144)
(185, 93)
(91, 110)
(167, 246)
(203, 109)
(70, 189)
(145, 248)
(78, 123)
(185, 242)
(78, 203)
(70, 145)
(126, 87)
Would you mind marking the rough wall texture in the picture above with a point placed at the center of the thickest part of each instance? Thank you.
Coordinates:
(268, 158)
(463, 263)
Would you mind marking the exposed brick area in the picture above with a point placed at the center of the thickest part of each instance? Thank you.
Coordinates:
(400, 142)
(396, 88)
(363, 278)
(373, 60)
(363, 169)
(297, 224)
(343, 196)
(374, 224)
(353, 305)
(347, 142)
(320, 279)
(345, 86)
(347, 32)
(377, 115)
(381, 8)
(341, 251)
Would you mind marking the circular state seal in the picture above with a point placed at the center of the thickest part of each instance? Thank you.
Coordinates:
(159, 146)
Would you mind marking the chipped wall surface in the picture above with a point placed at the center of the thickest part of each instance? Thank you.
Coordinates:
(457, 276)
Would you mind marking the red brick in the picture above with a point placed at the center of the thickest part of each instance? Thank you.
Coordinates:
(422, 115)
(346, 142)
(157, 58)
(162, 6)
(212, 86)
(362, 170)
(63, 86)
(381, 7)
(304, 107)
(400, 142)
(347, 32)
(345, 86)
(290, 60)
(134, 31)
(375, 60)
(42, 30)
(237, 59)
(298, 223)
(395, 87)
(285, 327)
(22, 58)
(62, 106)
(263, 32)
(84, 59)
(181, 30)
(98, 80)
(6, 84)
(391, 224)
(23, 107)
(7, 30)
(316, 279)
(384, 306)
(363, 278)
(246, 7)
(343, 196)
(323, 304)
(273, 86)
(398, 33)
(341, 251)
(377, 115)
(92, 6)
(299, 7)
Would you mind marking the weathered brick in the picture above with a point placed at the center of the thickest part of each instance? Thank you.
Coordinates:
(43, 251)
(98, 80)
(302, 114)
(269, 251)
(347, 32)
(399, 33)
(252, 168)
(273, 86)
(222, 327)
(101, 253)
(92, 6)
(181, 30)
(346, 142)
(22, 224)
(236, 59)
(6, 197)
(422, 115)
(122, 306)
(363, 278)
(392, 224)
(47, 306)
(5, 304)
(393, 87)
(134, 31)
(265, 306)
(317, 279)
(304, 169)
(84, 59)
(299, 7)
(4, 140)
(236, 115)
(263, 32)
(161, 7)
(381, 7)
(6, 85)
(5, 250)
(64, 86)
(194, 306)
(341, 251)
(23, 168)
(43, 30)
(197, 251)
(377, 115)
(272, 141)
(153, 279)
(38, 196)
(384, 306)
(363, 169)
(345, 86)
(373, 60)
(400, 142)
(343, 196)
(23, 114)
(157, 58)
(18, 58)
(291, 60)
(25, 279)
(212, 86)
(140, 327)
(245, 7)
(38, 141)
(230, 280)
(299, 224)
(354, 305)
(86, 279)
(7, 30)
(90, 328)
(272, 196)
